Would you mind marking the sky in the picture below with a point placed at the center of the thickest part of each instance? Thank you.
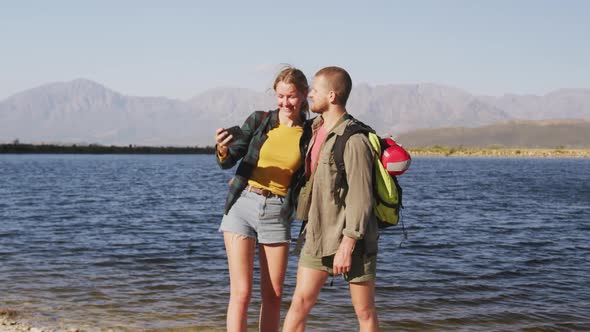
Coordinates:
(178, 49)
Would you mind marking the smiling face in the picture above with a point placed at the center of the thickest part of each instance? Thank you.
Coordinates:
(289, 99)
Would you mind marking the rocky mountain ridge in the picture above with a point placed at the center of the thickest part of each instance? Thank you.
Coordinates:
(83, 111)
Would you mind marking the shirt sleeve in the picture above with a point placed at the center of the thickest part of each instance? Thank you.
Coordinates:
(358, 162)
(237, 150)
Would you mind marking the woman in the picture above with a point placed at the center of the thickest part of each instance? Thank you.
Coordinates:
(259, 206)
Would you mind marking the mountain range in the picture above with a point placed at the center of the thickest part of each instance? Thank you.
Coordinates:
(83, 111)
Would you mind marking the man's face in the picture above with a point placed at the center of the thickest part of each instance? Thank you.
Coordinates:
(319, 95)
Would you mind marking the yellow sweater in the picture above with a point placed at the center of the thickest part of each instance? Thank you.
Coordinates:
(278, 160)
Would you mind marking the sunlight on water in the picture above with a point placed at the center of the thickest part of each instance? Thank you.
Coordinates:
(131, 242)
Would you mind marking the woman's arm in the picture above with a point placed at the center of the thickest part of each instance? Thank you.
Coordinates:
(229, 154)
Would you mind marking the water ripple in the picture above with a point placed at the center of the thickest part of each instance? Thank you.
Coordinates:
(131, 242)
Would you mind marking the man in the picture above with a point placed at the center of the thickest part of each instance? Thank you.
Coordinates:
(341, 231)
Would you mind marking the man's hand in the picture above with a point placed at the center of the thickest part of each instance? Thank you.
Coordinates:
(343, 259)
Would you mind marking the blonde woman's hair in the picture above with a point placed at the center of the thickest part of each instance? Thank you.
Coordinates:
(291, 75)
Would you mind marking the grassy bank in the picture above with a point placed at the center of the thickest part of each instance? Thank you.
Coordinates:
(442, 151)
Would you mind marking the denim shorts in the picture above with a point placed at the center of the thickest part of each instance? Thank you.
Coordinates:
(256, 216)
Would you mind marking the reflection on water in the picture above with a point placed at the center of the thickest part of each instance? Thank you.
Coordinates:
(132, 242)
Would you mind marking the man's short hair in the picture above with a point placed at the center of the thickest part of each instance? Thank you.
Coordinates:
(339, 81)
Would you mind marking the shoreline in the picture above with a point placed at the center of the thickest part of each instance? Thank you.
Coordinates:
(14, 321)
(21, 148)
(498, 152)
(430, 151)
(10, 322)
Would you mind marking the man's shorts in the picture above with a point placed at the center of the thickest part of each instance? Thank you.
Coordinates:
(258, 217)
(363, 267)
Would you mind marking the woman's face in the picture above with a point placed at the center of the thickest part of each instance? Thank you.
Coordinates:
(289, 99)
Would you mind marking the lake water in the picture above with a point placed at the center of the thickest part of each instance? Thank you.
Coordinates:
(130, 242)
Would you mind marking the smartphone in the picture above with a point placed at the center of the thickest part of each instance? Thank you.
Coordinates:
(236, 132)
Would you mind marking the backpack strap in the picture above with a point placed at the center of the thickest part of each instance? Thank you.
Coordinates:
(338, 151)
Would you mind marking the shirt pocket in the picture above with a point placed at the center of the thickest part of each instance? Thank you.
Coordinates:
(325, 176)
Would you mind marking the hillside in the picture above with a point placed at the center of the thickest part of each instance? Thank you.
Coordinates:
(523, 134)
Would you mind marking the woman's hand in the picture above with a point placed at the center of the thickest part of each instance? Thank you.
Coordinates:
(222, 138)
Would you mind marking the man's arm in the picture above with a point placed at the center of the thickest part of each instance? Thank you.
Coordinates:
(358, 161)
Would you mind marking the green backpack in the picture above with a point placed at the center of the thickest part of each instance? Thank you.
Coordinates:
(387, 193)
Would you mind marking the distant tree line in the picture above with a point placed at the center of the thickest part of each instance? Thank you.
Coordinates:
(17, 147)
